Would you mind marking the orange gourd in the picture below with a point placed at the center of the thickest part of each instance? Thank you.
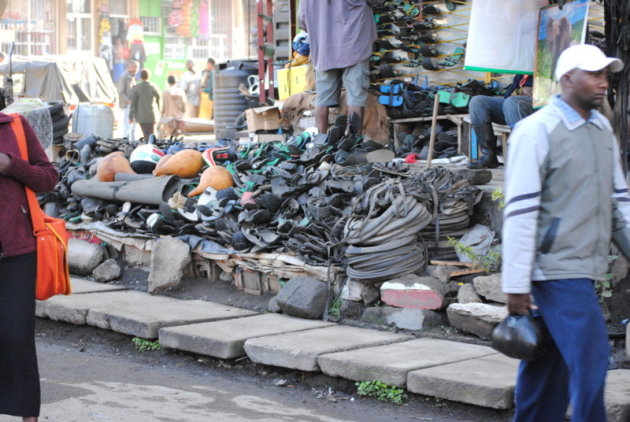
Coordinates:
(216, 177)
(186, 163)
(112, 163)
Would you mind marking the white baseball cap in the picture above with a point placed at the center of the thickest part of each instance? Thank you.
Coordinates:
(585, 57)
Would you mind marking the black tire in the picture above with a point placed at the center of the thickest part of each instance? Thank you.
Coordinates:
(55, 108)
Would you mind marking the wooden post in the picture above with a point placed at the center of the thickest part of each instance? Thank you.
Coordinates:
(436, 106)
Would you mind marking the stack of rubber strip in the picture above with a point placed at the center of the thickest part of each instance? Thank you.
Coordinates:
(451, 199)
(382, 234)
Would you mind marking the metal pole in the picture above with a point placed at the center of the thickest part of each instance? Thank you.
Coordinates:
(261, 52)
(436, 106)
(270, 69)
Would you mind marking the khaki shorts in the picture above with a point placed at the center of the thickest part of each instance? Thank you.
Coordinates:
(356, 80)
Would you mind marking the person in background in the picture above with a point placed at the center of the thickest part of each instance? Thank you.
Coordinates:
(341, 35)
(566, 198)
(19, 374)
(145, 105)
(190, 84)
(125, 84)
(206, 90)
(514, 105)
(173, 100)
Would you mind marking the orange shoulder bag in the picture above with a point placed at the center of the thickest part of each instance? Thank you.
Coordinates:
(53, 274)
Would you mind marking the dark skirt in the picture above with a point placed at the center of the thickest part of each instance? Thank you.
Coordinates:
(19, 375)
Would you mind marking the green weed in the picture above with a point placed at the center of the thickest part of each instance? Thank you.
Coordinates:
(381, 391)
(491, 262)
(334, 309)
(145, 345)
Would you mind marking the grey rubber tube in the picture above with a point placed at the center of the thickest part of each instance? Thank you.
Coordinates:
(150, 191)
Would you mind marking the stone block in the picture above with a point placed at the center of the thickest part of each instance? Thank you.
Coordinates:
(441, 272)
(303, 297)
(83, 256)
(391, 363)
(350, 309)
(476, 318)
(487, 381)
(490, 287)
(225, 339)
(300, 350)
(272, 305)
(406, 318)
(109, 270)
(617, 395)
(352, 290)
(169, 259)
(412, 291)
(467, 294)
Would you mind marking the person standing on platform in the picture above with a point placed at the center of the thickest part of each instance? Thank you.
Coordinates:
(341, 35)
(145, 105)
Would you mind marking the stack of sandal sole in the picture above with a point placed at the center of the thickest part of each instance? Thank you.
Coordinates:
(59, 121)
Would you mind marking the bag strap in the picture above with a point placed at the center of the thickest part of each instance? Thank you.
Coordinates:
(37, 216)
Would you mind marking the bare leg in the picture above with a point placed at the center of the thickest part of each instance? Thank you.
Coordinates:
(321, 118)
(359, 111)
(31, 419)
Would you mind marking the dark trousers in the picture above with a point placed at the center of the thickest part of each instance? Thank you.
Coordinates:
(19, 376)
(147, 130)
(574, 369)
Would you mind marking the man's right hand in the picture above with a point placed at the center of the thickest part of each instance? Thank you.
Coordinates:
(519, 303)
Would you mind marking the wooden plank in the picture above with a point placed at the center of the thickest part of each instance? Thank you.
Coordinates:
(466, 272)
(451, 263)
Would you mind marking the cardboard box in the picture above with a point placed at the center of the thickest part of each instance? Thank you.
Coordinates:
(262, 118)
(292, 81)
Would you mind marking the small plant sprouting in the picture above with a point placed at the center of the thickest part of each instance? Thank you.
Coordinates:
(497, 195)
(335, 307)
(490, 262)
(145, 345)
(381, 391)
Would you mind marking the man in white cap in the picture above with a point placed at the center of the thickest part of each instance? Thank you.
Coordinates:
(566, 198)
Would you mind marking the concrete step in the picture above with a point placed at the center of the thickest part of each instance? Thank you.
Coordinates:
(82, 285)
(134, 313)
(225, 339)
(487, 381)
(617, 395)
(392, 362)
(300, 350)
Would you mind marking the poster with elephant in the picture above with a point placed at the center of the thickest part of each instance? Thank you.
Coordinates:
(559, 27)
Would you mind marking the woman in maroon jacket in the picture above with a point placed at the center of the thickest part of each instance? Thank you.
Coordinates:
(19, 376)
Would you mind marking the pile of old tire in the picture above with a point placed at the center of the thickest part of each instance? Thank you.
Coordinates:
(59, 120)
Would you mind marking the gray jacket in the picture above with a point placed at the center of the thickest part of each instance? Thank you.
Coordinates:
(125, 83)
(145, 103)
(566, 197)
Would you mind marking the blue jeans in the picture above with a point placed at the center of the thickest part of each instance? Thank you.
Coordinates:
(504, 111)
(574, 368)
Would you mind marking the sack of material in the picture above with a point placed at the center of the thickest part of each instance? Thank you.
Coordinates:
(519, 337)
(53, 273)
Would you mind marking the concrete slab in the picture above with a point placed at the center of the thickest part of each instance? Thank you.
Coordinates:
(392, 362)
(225, 339)
(134, 313)
(82, 285)
(487, 381)
(145, 319)
(300, 350)
(74, 308)
(617, 396)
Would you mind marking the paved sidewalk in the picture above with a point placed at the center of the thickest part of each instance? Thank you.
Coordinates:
(444, 369)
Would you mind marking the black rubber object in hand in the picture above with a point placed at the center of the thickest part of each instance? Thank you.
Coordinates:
(519, 337)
